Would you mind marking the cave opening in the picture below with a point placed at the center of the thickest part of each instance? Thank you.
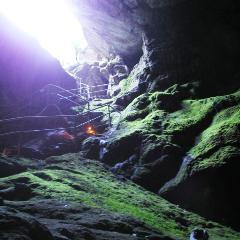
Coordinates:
(58, 29)
(52, 23)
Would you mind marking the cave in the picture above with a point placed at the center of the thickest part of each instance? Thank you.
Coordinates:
(119, 119)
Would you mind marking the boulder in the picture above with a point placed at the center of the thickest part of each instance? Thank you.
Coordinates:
(205, 182)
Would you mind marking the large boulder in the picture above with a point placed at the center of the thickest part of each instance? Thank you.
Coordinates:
(206, 181)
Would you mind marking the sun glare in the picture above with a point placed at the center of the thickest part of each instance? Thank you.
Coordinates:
(51, 23)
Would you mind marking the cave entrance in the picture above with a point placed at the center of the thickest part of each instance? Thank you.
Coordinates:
(52, 23)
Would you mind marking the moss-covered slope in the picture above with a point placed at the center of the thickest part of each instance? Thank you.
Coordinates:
(70, 180)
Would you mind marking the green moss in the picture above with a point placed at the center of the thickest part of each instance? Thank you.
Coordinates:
(127, 85)
(143, 113)
(147, 115)
(142, 120)
(224, 130)
(191, 114)
(88, 182)
(220, 141)
(158, 96)
(219, 158)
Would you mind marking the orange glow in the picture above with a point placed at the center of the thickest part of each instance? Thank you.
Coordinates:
(90, 130)
(67, 136)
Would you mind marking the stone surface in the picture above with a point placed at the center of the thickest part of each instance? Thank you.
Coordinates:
(63, 220)
(102, 76)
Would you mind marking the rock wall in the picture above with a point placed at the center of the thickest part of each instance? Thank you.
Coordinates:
(183, 40)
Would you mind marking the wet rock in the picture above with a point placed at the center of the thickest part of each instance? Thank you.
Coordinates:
(43, 175)
(142, 175)
(210, 170)
(125, 99)
(119, 145)
(154, 175)
(158, 237)
(199, 234)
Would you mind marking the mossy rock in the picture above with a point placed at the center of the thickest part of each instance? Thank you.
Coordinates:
(206, 131)
(212, 170)
(99, 189)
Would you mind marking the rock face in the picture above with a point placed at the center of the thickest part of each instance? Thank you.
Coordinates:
(183, 40)
(102, 77)
(113, 25)
(16, 225)
(212, 168)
